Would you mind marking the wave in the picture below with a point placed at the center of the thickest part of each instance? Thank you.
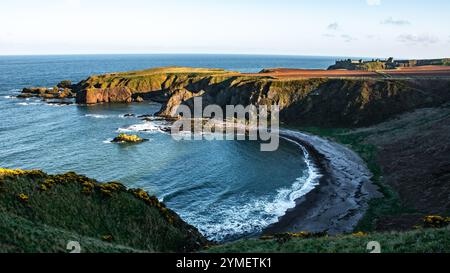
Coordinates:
(101, 116)
(108, 141)
(253, 217)
(146, 127)
(28, 103)
(59, 104)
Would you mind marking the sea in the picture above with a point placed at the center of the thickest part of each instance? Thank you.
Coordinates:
(227, 189)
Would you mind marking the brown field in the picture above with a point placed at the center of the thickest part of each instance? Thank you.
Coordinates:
(423, 71)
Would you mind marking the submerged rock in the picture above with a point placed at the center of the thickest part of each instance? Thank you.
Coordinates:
(124, 138)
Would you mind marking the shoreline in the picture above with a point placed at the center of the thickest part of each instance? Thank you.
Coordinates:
(341, 197)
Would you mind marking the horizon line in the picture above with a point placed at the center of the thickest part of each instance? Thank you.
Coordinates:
(207, 53)
(212, 53)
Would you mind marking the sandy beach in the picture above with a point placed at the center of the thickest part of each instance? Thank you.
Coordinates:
(341, 198)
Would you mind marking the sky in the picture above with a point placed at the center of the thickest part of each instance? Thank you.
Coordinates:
(365, 28)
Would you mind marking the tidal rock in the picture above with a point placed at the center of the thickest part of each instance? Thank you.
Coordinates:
(124, 138)
(47, 93)
(139, 99)
(65, 84)
(145, 116)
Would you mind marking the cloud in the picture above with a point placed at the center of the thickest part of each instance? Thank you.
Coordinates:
(333, 26)
(423, 39)
(328, 35)
(373, 2)
(395, 22)
(347, 38)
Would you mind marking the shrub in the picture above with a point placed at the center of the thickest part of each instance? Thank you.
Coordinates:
(359, 234)
(107, 238)
(435, 221)
(23, 198)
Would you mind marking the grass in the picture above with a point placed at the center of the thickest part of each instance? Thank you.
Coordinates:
(19, 235)
(389, 204)
(39, 212)
(418, 241)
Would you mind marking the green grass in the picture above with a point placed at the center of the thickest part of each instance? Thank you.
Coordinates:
(76, 206)
(389, 204)
(19, 235)
(419, 241)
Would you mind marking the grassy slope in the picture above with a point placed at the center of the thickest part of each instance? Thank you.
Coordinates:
(18, 235)
(75, 206)
(389, 204)
(420, 241)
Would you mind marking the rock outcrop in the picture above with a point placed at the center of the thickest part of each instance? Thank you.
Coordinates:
(47, 93)
(124, 138)
(321, 101)
(98, 95)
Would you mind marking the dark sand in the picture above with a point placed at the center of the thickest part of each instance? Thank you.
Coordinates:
(341, 198)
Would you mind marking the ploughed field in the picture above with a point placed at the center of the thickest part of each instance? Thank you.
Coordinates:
(419, 71)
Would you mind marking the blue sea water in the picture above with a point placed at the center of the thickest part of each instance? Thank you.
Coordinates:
(227, 189)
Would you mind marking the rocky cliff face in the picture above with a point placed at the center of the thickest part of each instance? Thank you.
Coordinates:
(319, 102)
(97, 95)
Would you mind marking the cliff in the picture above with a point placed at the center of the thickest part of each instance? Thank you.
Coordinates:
(42, 213)
(322, 101)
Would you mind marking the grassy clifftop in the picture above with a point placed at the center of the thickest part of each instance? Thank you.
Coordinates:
(41, 213)
(325, 102)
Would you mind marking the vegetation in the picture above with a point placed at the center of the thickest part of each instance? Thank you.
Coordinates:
(418, 241)
(389, 204)
(41, 213)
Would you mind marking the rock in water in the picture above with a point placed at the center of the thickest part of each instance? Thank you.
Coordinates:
(124, 138)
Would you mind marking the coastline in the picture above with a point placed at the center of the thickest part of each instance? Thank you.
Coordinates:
(341, 197)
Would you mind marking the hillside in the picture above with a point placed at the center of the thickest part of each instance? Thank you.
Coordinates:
(418, 241)
(42, 213)
(318, 101)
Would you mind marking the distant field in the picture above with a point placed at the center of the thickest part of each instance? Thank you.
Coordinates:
(420, 71)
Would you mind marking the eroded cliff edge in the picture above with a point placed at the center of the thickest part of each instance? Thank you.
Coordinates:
(328, 102)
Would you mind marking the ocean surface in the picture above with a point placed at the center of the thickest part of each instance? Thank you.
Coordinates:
(227, 189)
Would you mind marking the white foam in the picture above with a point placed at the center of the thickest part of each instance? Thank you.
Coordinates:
(108, 141)
(141, 127)
(59, 104)
(9, 97)
(100, 116)
(260, 213)
(27, 103)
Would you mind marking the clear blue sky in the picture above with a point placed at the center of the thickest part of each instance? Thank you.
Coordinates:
(399, 28)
